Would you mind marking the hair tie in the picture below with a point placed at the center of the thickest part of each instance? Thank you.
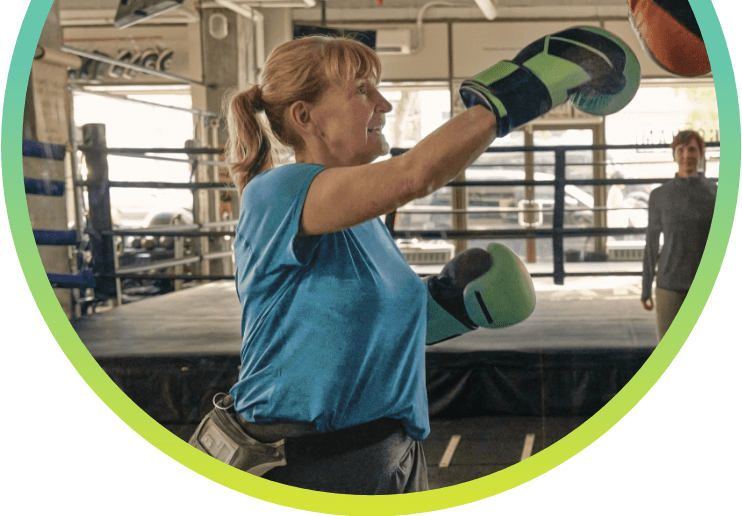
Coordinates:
(257, 100)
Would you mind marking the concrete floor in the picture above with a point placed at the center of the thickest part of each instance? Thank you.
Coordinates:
(584, 312)
(487, 445)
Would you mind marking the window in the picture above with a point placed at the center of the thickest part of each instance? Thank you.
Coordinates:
(654, 116)
(134, 125)
(417, 111)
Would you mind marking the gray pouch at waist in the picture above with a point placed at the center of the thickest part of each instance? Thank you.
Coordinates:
(221, 436)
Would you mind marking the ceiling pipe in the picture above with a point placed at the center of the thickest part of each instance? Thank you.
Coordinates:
(101, 17)
(421, 13)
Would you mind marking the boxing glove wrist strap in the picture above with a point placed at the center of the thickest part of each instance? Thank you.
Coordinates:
(509, 85)
(441, 325)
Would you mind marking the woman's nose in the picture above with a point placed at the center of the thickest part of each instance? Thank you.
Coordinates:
(383, 105)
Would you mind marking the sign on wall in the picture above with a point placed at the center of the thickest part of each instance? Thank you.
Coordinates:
(165, 50)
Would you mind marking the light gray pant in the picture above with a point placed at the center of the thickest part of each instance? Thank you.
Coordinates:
(393, 466)
(667, 304)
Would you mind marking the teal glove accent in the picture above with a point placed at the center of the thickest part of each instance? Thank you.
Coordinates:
(441, 324)
(593, 99)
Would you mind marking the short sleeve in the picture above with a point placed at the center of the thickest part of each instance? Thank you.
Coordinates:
(270, 214)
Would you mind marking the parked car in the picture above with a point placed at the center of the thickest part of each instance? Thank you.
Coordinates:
(495, 207)
(159, 219)
(149, 249)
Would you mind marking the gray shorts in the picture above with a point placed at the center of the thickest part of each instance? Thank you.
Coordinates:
(392, 466)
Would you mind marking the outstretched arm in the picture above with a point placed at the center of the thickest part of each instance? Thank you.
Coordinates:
(345, 196)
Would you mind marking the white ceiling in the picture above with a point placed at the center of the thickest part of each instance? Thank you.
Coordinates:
(86, 12)
(335, 4)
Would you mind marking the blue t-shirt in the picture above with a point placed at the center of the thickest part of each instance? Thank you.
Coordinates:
(333, 326)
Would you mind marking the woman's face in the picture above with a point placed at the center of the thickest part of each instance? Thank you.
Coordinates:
(349, 120)
(687, 155)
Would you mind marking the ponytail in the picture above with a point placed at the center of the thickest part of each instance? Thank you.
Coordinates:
(260, 135)
(249, 145)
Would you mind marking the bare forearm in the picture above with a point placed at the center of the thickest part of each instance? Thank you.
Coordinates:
(444, 154)
(345, 196)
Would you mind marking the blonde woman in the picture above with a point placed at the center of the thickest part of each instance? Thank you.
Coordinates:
(334, 321)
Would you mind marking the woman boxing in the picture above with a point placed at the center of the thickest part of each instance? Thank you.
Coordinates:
(334, 321)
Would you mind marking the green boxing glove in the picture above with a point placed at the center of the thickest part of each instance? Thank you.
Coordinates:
(491, 289)
(588, 65)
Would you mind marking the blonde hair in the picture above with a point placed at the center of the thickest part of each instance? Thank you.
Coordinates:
(260, 137)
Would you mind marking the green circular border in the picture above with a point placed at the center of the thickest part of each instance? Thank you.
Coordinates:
(485, 487)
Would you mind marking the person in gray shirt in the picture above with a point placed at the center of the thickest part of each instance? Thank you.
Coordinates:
(681, 210)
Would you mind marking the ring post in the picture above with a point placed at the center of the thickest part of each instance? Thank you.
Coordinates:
(99, 217)
(560, 161)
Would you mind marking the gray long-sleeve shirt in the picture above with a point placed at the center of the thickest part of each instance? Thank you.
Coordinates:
(681, 210)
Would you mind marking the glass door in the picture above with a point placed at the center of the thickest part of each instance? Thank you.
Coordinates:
(582, 203)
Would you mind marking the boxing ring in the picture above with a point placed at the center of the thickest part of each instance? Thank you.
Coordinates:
(171, 353)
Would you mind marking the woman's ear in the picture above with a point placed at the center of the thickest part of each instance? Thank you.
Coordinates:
(300, 115)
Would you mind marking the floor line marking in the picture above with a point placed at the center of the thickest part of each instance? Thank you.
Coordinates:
(527, 446)
(450, 449)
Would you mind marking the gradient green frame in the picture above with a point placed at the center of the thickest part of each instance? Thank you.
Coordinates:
(87, 367)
